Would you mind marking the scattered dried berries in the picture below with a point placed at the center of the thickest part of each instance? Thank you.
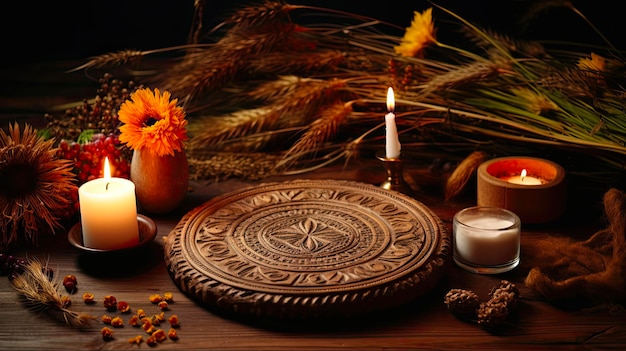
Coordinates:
(134, 321)
(107, 333)
(173, 321)
(136, 340)
(110, 302)
(70, 282)
(14, 266)
(159, 335)
(156, 298)
(123, 307)
(149, 324)
(117, 322)
(151, 341)
(172, 334)
(155, 320)
(89, 298)
(158, 318)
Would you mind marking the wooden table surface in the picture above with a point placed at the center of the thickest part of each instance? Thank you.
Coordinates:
(422, 324)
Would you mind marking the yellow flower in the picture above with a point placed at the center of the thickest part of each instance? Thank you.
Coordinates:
(418, 35)
(595, 63)
(152, 121)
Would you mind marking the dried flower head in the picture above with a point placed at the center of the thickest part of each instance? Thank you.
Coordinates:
(418, 35)
(596, 63)
(152, 121)
(34, 186)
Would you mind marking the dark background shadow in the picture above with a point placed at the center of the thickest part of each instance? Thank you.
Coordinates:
(72, 29)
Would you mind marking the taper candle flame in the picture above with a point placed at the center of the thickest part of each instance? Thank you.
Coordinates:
(392, 147)
(391, 101)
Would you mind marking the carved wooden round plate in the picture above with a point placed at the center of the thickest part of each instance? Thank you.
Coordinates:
(308, 248)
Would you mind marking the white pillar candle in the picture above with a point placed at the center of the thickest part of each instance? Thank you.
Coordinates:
(486, 239)
(392, 145)
(108, 213)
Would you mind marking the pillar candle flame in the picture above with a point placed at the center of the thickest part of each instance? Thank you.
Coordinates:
(107, 168)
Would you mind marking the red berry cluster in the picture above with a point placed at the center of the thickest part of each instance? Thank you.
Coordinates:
(70, 211)
(89, 157)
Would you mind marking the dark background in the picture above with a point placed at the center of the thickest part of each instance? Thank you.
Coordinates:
(57, 30)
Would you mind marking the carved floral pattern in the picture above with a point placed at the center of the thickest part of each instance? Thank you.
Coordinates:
(306, 238)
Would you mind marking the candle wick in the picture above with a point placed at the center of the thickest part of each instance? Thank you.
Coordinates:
(523, 178)
(107, 186)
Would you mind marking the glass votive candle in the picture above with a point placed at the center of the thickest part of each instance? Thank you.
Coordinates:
(486, 239)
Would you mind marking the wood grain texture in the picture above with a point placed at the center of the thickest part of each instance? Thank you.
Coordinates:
(420, 324)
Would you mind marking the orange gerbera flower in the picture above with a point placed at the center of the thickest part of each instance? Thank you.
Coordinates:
(418, 35)
(152, 121)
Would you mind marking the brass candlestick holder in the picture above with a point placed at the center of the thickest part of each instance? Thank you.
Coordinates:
(395, 175)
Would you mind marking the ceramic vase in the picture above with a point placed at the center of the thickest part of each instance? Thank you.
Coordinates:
(161, 182)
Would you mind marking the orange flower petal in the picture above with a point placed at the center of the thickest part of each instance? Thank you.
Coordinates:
(152, 120)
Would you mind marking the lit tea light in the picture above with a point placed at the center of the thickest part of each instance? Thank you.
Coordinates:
(523, 178)
(536, 195)
(108, 212)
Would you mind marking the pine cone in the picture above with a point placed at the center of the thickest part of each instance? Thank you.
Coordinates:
(506, 285)
(506, 293)
(462, 303)
(492, 314)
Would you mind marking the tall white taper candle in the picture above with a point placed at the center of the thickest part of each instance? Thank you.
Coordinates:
(392, 146)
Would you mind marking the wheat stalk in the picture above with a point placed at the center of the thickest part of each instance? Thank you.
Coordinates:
(298, 62)
(301, 100)
(224, 165)
(471, 73)
(41, 293)
(202, 72)
(253, 17)
(265, 81)
(319, 131)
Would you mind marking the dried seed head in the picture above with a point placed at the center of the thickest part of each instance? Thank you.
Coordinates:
(462, 303)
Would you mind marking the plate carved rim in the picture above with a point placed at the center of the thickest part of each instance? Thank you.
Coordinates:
(187, 269)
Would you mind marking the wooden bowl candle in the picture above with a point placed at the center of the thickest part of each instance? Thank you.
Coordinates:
(532, 188)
